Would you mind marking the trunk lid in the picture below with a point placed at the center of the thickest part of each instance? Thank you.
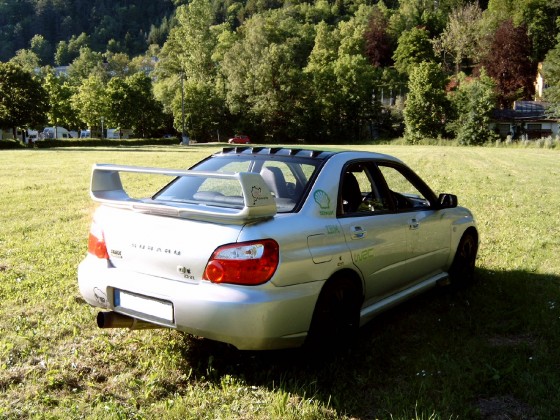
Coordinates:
(167, 247)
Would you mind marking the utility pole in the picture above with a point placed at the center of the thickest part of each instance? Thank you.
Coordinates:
(184, 137)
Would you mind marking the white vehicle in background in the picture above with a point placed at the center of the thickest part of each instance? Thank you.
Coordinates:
(56, 133)
(113, 133)
(119, 133)
(24, 135)
(32, 135)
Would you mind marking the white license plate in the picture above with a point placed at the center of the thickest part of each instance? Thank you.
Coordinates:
(133, 303)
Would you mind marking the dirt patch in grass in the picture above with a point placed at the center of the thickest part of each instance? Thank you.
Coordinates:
(511, 340)
(504, 408)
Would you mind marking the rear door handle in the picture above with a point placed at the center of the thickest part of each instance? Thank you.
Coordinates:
(413, 224)
(358, 232)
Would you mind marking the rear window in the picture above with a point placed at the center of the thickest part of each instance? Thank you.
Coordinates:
(286, 178)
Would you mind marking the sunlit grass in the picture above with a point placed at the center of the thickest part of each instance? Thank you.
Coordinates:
(487, 350)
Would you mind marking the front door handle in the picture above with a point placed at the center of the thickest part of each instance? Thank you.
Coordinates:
(413, 224)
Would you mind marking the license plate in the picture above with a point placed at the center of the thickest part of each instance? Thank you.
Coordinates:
(133, 304)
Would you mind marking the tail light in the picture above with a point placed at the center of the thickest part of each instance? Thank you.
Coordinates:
(247, 263)
(96, 242)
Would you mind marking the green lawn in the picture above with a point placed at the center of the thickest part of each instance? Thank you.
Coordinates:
(488, 350)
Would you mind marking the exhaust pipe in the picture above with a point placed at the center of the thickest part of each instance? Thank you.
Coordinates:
(116, 320)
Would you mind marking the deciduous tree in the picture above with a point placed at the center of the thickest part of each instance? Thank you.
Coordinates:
(88, 62)
(40, 46)
(59, 93)
(379, 45)
(461, 38)
(414, 47)
(23, 101)
(263, 73)
(551, 73)
(91, 101)
(26, 60)
(508, 63)
(540, 18)
(474, 101)
(426, 109)
(186, 65)
(132, 105)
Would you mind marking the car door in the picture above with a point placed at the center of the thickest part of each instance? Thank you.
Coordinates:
(428, 230)
(374, 233)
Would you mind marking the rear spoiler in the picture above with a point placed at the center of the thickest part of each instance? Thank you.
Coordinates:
(258, 201)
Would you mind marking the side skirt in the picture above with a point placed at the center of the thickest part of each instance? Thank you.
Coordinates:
(369, 312)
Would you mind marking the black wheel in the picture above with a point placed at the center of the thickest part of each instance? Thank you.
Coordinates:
(462, 268)
(336, 318)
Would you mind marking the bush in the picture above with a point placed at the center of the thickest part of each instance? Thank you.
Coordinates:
(10, 144)
(89, 142)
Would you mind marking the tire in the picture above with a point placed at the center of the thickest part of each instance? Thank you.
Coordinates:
(336, 317)
(461, 271)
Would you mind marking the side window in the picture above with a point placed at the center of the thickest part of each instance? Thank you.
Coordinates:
(279, 179)
(403, 192)
(359, 193)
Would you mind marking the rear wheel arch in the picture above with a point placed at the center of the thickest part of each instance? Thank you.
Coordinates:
(336, 316)
(351, 276)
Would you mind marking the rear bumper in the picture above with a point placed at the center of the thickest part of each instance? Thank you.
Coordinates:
(248, 317)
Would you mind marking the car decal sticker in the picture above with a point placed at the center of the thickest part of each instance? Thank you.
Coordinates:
(363, 255)
(324, 202)
(332, 229)
(100, 297)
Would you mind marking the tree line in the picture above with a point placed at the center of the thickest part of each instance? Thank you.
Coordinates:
(322, 71)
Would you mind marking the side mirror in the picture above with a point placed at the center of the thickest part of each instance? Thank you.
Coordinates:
(447, 201)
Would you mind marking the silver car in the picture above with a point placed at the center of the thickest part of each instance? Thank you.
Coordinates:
(268, 248)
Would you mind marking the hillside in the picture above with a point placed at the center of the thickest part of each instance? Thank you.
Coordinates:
(130, 23)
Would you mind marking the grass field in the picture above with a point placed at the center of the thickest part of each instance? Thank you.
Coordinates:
(490, 351)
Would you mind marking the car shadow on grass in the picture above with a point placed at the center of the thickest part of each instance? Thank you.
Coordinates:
(479, 351)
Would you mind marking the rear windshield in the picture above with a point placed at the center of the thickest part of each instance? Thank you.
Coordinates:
(287, 178)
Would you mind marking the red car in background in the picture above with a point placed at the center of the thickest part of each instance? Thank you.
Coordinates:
(239, 139)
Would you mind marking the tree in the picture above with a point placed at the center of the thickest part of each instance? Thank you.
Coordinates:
(356, 78)
(379, 45)
(40, 46)
(427, 14)
(474, 101)
(414, 47)
(91, 101)
(540, 18)
(461, 37)
(26, 60)
(117, 64)
(186, 65)
(551, 73)
(131, 104)
(324, 100)
(342, 80)
(145, 63)
(508, 63)
(23, 101)
(59, 93)
(88, 62)
(66, 52)
(263, 73)
(425, 113)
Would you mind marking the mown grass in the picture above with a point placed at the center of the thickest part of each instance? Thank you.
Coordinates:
(486, 351)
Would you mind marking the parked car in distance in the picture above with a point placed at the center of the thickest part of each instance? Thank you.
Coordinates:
(268, 248)
(239, 139)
